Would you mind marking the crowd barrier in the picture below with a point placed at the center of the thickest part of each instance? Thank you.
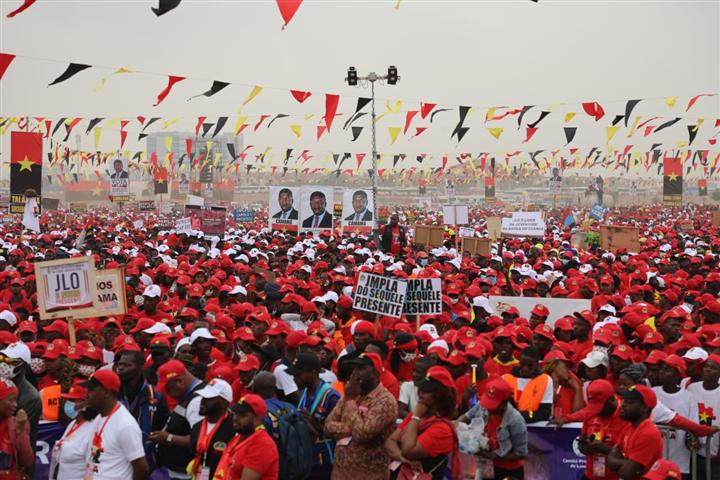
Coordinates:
(553, 453)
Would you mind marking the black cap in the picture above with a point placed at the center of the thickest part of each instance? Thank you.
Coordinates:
(304, 362)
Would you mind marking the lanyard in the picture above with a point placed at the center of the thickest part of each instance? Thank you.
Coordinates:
(78, 423)
(97, 438)
(223, 469)
(204, 439)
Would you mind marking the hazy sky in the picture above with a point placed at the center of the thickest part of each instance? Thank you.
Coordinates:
(478, 53)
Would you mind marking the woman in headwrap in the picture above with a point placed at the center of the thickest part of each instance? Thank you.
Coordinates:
(15, 450)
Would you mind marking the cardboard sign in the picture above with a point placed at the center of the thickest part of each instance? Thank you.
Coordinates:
(381, 295)
(66, 288)
(476, 246)
(429, 235)
(613, 237)
(523, 224)
(423, 296)
(685, 225)
(183, 225)
(466, 232)
(558, 307)
(716, 218)
(455, 214)
(137, 224)
(494, 226)
(110, 287)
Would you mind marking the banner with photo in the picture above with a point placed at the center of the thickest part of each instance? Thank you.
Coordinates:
(314, 204)
(183, 184)
(357, 211)
(209, 220)
(120, 180)
(283, 212)
(556, 181)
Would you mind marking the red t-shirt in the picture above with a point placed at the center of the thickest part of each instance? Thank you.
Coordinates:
(259, 454)
(607, 430)
(437, 437)
(390, 383)
(395, 240)
(643, 444)
(564, 398)
(581, 349)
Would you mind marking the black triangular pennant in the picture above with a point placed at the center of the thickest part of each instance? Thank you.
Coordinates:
(92, 124)
(569, 134)
(629, 107)
(221, 121)
(214, 88)
(164, 6)
(206, 128)
(542, 116)
(356, 131)
(70, 71)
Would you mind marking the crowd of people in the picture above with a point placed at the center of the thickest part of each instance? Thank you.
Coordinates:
(241, 356)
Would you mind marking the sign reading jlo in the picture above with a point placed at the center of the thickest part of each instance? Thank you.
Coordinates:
(378, 294)
(66, 288)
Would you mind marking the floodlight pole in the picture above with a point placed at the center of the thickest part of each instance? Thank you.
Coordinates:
(373, 77)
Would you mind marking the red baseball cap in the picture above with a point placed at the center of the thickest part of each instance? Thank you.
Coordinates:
(252, 402)
(676, 362)
(436, 377)
(103, 378)
(623, 352)
(169, 370)
(247, 363)
(564, 324)
(76, 392)
(545, 330)
(57, 348)
(362, 326)
(586, 315)
(641, 393)
(655, 357)
(142, 324)
(598, 392)
(662, 470)
(540, 310)
(368, 359)
(195, 290)
(496, 392)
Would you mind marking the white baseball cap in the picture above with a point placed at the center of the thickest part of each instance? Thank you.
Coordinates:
(483, 303)
(201, 333)
(595, 359)
(430, 328)
(18, 351)
(152, 291)
(217, 388)
(238, 289)
(9, 317)
(159, 327)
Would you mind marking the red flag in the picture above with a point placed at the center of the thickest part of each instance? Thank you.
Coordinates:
(331, 104)
(26, 146)
(594, 109)
(123, 133)
(320, 130)
(408, 119)
(172, 80)
(426, 108)
(141, 119)
(198, 125)
(26, 4)
(359, 157)
(529, 133)
(262, 119)
(419, 130)
(300, 96)
(288, 8)
(5, 60)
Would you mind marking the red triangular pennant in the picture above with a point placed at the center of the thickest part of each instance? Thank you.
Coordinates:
(172, 80)
(426, 108)
(299, 95)
(331, 104)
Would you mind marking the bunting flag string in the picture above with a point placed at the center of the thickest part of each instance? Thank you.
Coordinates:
(70, 71)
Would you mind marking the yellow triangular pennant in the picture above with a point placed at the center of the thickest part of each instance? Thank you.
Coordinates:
(610, 132)
(168, 143)
(297, 130)
(569, 116)
(97, 132)
(670, 101)
(394, 132)
(495, 132)
(239, 124)
(253, 93)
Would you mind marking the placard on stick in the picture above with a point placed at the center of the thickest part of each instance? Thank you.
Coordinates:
(493, 225)
(476, 246)
(613, 237)
(110, 286)
(432, 235)
(381, 295)
(66, 288)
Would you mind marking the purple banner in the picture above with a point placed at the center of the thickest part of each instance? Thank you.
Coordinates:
(553, 454)
(48, 433)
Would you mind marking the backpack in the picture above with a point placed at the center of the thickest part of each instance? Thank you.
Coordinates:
(294, 445)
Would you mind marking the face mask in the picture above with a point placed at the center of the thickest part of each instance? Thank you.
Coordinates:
(601, 349)
(37, 365)
(290, 317)
(408, 357)
(7, 371)
(69, 409)
(86, 370)
(423, 262)
(454, 300)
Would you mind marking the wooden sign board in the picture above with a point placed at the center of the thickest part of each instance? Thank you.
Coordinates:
(476, 246)
(110, 286)
(429, 235)
(716, 218)
(613, 237)
(493, 225)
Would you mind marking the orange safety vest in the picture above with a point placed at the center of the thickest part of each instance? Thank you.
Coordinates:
(529, 399)
(51, 402)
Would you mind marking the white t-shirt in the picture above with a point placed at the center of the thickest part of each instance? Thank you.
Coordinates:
(121, 445)
(683, 403)
(285, 382)
(708, 408)
(328, 376)
(408, 395)
(74, 451)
